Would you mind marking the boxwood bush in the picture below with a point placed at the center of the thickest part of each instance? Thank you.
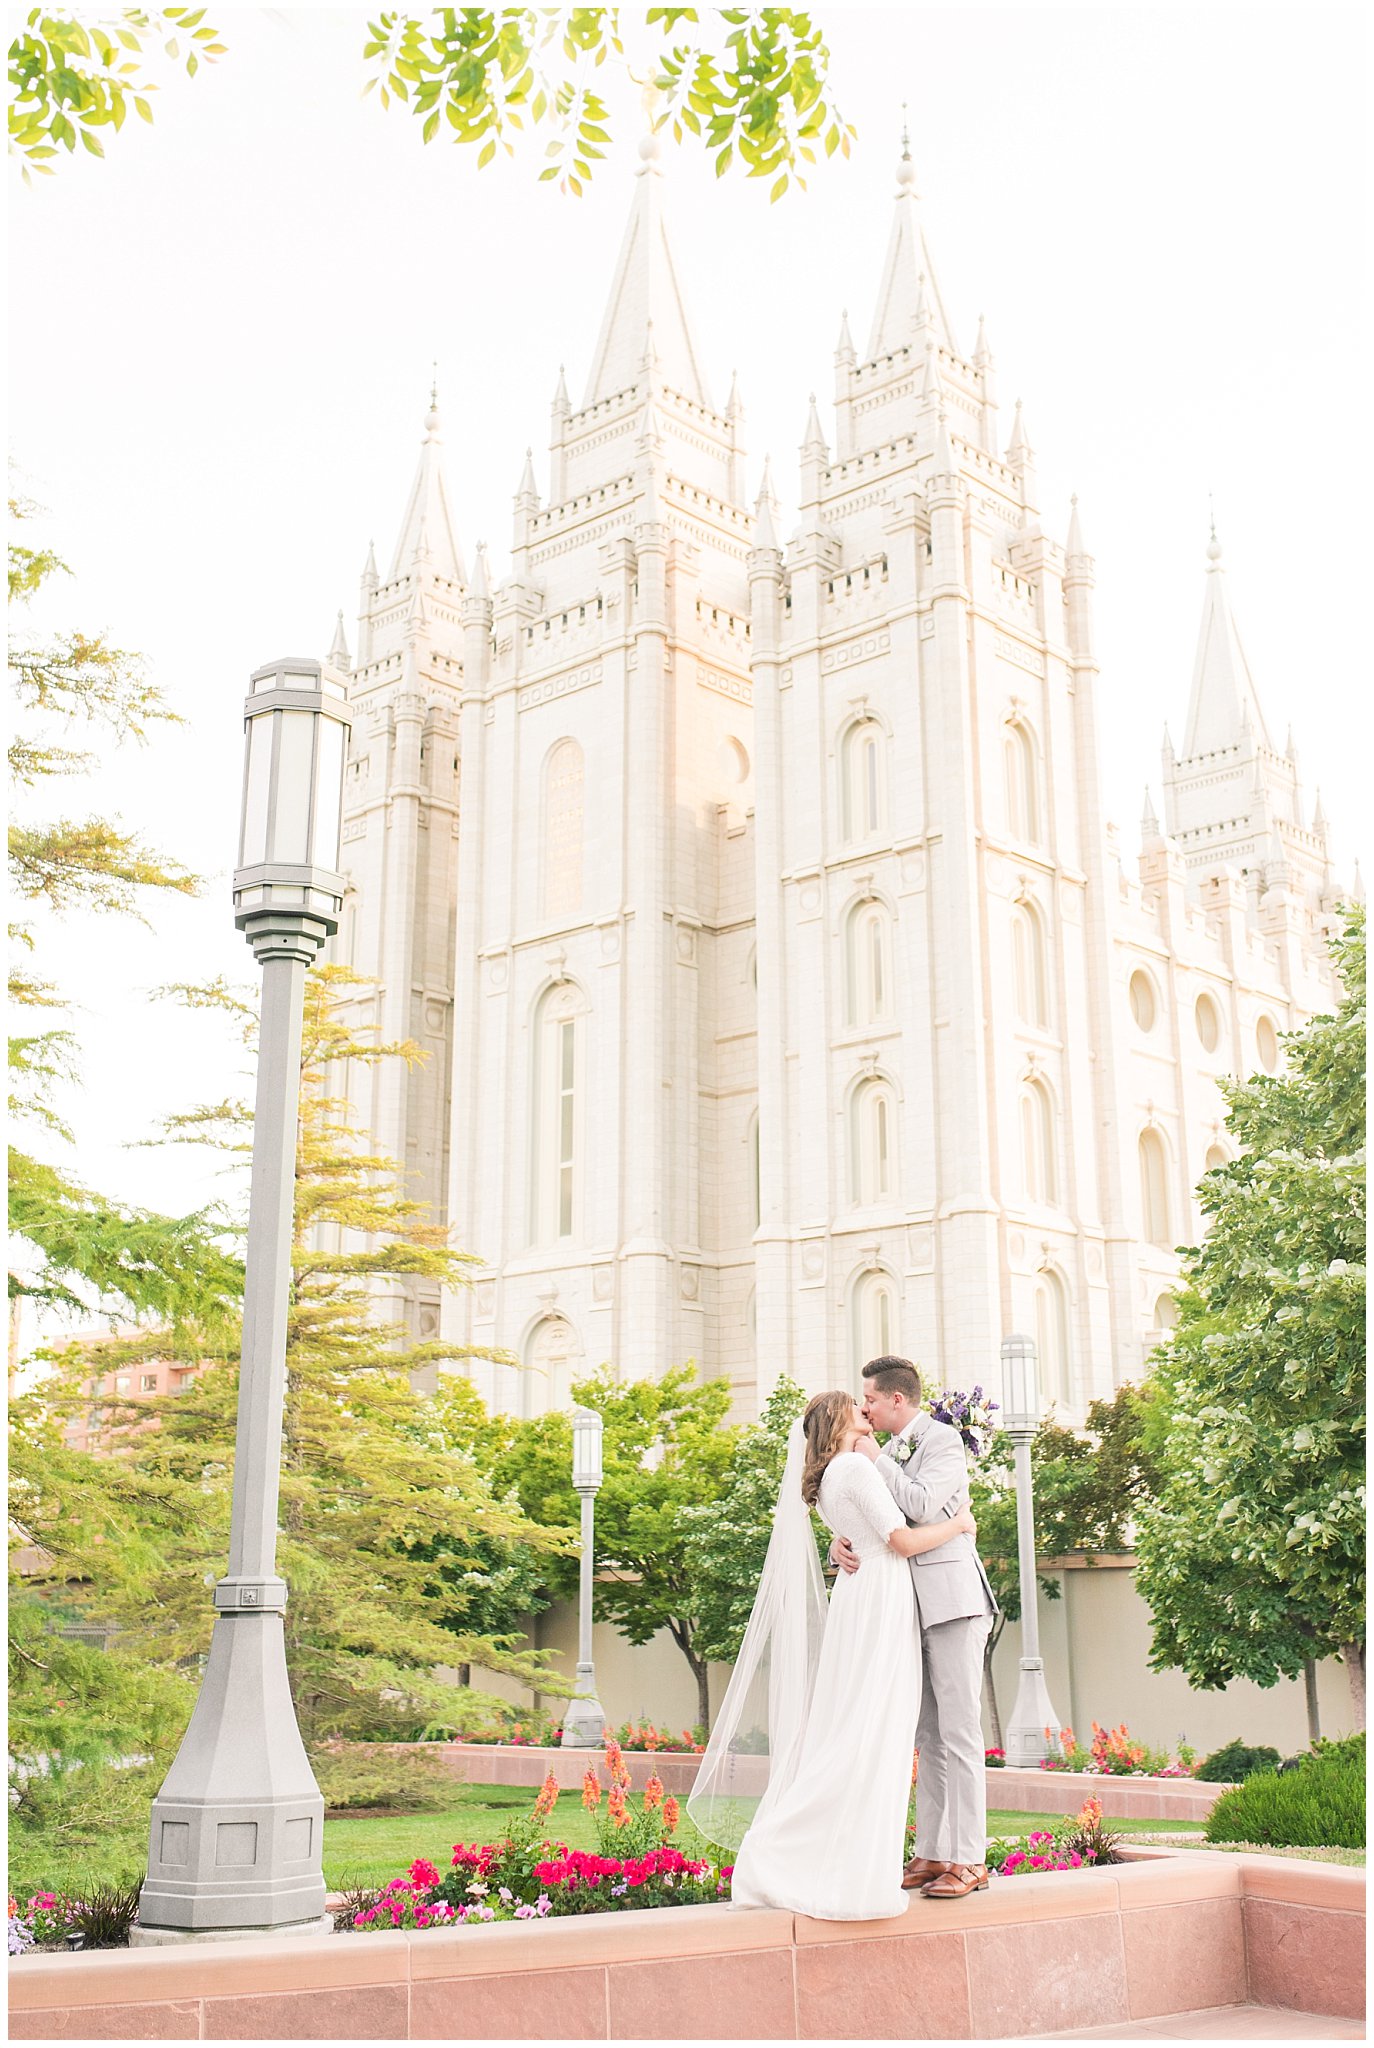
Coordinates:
(1235, 1761)
(1319, 1805)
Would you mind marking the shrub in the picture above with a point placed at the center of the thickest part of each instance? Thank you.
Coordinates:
(354, 1775)
(1321, 1805)
(1237, 1760)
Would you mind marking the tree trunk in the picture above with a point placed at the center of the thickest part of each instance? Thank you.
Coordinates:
(1353, 1654)
(989, 1687)
(702, 1674)
(1309, 1686)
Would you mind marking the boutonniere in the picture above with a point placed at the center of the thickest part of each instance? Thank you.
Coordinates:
(901, 1448)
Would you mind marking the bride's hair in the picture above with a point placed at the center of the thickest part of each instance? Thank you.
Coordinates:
(827, 1421)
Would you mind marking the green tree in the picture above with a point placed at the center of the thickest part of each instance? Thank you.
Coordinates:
(373, 1498)
(1252, 1560)
(1087, 1489)
(751, 84)
(63, 688)
(727, 1539)
(71, 76)
(666, 1448)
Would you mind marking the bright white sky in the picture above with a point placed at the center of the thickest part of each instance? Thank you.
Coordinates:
(222, 336)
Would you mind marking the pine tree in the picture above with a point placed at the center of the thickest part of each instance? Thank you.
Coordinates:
(373, 1496)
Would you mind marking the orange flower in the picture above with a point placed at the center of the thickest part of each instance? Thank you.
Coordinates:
(653, 1793)
(591, 1789)
(615, 1806)
(670, 1814)
(915, 1764)
(1090, 1812)
(615, 1764)
(548, 1797)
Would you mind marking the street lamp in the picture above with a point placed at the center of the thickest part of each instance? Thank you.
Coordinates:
(237, 1829)
(1027, 1742)
(584, 1724)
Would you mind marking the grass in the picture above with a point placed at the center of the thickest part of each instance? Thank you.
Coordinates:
(365, 1851)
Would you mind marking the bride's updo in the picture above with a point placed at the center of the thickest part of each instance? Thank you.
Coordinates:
(828, 1419)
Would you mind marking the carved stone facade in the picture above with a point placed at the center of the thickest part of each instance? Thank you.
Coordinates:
(786, 995)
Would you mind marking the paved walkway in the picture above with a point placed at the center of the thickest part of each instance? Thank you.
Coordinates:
(1222, 2023)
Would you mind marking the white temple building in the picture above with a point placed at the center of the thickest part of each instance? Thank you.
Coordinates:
(785, 993)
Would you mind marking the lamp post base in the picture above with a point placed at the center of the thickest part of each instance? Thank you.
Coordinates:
(584, 1724)
(172, 1937)
(1027, 1742)
(237, 1829)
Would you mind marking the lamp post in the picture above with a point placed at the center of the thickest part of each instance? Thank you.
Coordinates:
(237, 1828)
(1033, 1714)
(584, 1724)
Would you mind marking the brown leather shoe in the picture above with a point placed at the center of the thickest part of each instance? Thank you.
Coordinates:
(957, 1881)
(921, 1870)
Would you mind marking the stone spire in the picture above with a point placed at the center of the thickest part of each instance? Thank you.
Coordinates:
(338, 653)
(370, 567)
(844, 347)
(560, 396)
(645, 290)
(527, 497)
(908, 284)
(814, 446)
(1223, 705)
(481, 582)
(765, 532)
(930, 383)
(1019, 450)
(1074, 544)
(1150, 833)
(427, 522)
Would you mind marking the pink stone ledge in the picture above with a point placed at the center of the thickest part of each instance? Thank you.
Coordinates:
(1023, 1791)
(1094, 1948)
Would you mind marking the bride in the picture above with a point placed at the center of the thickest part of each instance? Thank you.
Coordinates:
(820, 1714)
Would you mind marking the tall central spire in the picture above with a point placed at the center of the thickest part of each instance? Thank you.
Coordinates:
(427, 525)
(1224, 702)
(909, 294)
(645, 294)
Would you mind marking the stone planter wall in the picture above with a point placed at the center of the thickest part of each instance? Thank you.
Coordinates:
(1182, 1799)
(1167, 1934)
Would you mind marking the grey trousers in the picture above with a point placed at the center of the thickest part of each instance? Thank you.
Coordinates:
(951, 1788)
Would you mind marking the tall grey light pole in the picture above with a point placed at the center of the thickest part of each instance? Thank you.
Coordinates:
(1027, 1742)
(584, 1724)
(237, 1829)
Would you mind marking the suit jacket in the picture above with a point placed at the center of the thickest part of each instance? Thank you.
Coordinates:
(950, 1582)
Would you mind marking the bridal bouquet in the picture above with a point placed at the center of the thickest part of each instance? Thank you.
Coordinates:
(971, 1414)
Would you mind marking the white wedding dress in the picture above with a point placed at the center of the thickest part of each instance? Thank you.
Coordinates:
(830, 1842)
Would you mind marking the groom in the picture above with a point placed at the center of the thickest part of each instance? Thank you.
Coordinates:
(924, 1468)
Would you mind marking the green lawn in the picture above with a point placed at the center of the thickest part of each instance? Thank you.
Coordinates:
(367, 1851)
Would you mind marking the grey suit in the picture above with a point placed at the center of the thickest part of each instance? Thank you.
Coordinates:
(955, 1606)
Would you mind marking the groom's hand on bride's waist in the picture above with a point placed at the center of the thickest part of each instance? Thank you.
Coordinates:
(842, 1555)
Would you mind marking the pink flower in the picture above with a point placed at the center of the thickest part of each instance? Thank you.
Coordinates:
(424, 1874)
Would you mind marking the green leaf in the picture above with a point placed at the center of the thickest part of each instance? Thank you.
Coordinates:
(486, 156)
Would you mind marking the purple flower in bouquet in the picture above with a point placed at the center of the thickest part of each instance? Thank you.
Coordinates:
(971, 1414)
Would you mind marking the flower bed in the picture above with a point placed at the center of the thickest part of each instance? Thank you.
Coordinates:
(1114, 1753)
(1077, 1843)
(525, 1876)
(631, 1735)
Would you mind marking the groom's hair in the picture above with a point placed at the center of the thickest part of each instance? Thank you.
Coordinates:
(894, 1376)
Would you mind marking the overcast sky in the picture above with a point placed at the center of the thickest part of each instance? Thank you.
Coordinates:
(222, 337)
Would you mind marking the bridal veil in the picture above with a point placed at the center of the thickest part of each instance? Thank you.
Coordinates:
(756, 1741)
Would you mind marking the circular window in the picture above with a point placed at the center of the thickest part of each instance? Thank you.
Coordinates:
(1267, 1044)
(1208, 1023)
(734, 762)
(1142, 991)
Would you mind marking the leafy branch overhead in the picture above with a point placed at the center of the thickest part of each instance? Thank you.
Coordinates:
(751, 85)
(70, 78)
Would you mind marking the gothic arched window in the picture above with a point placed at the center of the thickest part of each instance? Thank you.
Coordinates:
(873, 1323)
(869, 965)
(1154, 1190)
(1023, 785)
(872, 1144)
(564, 775)
(863, 780)
(1052, 1337)
(555, 1178)
(1038, 1149)
(1028, 961)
